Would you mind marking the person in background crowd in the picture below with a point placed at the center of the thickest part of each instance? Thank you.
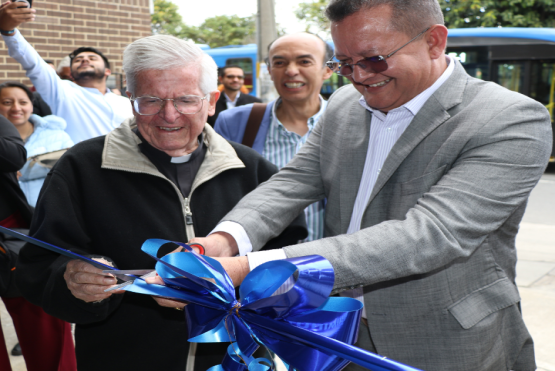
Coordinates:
(163, 174)
(46, 342)
(296, 64)
(427, 172)
(87, 105)
(64, 69)
(40, 107)
(40, 134)
(50, 63)
(243, 89)
(232, 78)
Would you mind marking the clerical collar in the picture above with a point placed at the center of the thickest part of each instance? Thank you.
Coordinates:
(184, 158)
(163, 156)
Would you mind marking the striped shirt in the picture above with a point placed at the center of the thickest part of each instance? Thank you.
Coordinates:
(280, 147)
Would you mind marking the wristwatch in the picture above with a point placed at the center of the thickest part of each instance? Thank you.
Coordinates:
(7, 33)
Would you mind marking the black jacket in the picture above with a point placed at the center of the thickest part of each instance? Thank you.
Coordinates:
(12, 158)
(105, 198)
(221, 105)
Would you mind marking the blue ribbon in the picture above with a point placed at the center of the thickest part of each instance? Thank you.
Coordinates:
(306, 328)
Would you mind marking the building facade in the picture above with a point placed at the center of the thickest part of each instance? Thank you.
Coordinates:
(62, 26)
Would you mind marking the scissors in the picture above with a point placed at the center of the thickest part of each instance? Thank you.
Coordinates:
(129, 276)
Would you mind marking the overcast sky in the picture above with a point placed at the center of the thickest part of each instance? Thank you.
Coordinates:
(194, 12)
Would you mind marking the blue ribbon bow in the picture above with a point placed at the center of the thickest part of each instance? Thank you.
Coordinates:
(304, 326)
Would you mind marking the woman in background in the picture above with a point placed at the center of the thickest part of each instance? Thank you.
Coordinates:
(40, 134)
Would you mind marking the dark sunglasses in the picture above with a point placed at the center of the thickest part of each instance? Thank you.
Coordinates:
(374, 64)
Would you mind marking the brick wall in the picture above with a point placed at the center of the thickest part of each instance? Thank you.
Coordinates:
(62, 26)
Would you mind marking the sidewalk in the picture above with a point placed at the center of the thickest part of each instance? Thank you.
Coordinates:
(536, 281)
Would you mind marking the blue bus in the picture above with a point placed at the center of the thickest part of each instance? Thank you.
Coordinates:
(520, 59)
(244, 56)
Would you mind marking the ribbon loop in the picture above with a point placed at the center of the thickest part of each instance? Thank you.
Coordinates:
(284, 306)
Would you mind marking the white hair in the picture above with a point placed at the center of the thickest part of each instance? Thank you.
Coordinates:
(164, 52)
(65, 62)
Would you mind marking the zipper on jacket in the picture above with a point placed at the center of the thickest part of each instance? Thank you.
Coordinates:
(189, 228)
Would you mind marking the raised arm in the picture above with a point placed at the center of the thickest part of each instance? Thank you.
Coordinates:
(43, 77)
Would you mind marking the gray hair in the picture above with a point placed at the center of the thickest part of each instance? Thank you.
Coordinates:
(164, 52)
(409, 16)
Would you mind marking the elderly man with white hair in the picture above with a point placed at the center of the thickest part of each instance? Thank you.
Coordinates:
(163, 174)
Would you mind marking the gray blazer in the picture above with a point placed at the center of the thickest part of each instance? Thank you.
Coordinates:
(436, 251)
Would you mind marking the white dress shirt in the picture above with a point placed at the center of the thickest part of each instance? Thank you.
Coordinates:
(231, 103)
(87, 111)
(385, 130)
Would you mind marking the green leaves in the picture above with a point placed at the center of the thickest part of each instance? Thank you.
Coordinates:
(165, 17)
(225, 30)
(216, 31)
(498, 13)
(312, 14)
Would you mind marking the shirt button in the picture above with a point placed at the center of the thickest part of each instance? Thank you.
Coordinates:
(388, 129)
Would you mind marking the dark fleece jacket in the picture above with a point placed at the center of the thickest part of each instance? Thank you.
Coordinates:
(97, 211)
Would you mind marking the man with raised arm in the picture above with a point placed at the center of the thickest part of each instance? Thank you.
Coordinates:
(88, 106)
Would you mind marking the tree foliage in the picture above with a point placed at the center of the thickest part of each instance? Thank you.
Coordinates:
(165, 17)
(225, 30)
(216, 31)
(312, 14)
(498, 13)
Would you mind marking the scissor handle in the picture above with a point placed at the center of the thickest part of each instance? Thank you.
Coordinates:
(199, 247)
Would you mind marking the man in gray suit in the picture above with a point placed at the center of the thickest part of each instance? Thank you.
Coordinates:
(426, 172)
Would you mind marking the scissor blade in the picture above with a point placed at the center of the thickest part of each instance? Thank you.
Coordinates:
(130, 280)
(129, 274)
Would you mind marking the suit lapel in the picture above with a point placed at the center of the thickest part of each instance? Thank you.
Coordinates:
(355, 146)
(220, 104)
(241, 100)
(431, 115)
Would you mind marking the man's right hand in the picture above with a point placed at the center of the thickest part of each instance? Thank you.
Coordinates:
(218, 244)
(11, 16)
(87, 282)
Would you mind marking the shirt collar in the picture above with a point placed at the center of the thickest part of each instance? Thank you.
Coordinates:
(311, 121)
(188, 157)
(416, 103)
(162, 156)
(229, 100)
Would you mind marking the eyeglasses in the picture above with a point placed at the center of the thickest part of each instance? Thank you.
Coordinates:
(187, 105)
(231, 77)
(374, 64)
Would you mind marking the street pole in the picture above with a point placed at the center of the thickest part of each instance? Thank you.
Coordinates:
(266, 32)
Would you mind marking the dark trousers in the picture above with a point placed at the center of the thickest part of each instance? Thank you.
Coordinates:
(45, 341)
